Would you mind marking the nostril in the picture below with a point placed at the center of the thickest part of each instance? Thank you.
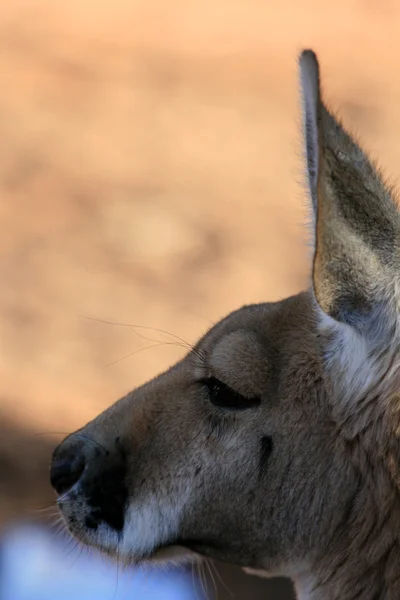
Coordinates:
(65, 472)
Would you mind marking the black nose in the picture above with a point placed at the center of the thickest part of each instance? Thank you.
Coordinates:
(66, 469)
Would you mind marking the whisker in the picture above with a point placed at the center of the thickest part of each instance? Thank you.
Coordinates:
(78, 556)
(207, 563)
(62, 528)
(206, 580)
(49, 517)
(44, 509)
(114, 362)
(58, 520)
(222, 582)
(51, 433)
(202, 578)
(133, 326)
(198, 580)
(71, 546)
(193, 580)
(144, 337)
(181, 342)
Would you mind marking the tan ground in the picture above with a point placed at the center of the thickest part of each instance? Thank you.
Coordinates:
(150, 174)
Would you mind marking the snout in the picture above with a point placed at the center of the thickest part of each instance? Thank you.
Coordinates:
(119, 487)
(90, 482)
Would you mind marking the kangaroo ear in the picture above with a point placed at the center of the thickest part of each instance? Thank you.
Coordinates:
(356, 222)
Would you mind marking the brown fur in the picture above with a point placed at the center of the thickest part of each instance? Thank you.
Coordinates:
(303, 478)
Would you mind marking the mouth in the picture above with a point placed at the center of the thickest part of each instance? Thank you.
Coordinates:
(181, 550)
(100, 535)
(141, 534)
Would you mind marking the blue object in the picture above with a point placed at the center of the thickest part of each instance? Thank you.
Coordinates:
(37, 565)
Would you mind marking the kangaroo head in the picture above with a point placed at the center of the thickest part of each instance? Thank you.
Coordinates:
(274, 443)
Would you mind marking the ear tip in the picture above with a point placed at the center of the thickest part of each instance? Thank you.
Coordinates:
(308, 54)
(308, 63)
(309, 72)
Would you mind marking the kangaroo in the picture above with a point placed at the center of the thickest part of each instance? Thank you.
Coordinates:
(274, 444)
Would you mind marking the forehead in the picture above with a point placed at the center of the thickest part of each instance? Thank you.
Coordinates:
(251, 322)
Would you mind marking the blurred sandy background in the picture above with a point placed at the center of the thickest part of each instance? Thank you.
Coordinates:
(150, 174)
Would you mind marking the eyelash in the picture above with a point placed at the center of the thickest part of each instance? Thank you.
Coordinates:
(223, 396)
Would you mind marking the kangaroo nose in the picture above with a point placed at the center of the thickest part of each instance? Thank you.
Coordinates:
(66, 470)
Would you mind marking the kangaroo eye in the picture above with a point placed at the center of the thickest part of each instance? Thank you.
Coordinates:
(222, 395)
